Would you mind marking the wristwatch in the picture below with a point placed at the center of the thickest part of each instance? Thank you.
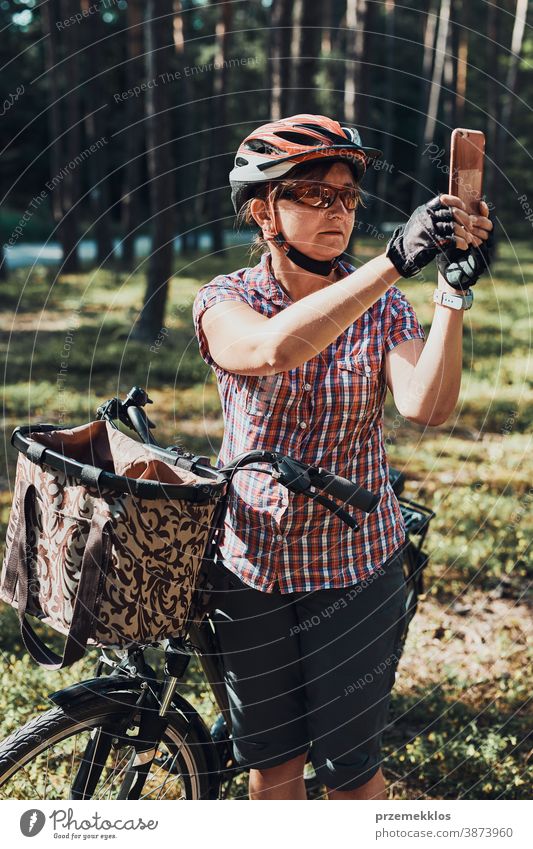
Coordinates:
(455, 300)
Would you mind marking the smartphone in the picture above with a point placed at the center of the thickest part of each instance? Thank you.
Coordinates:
(466, 167)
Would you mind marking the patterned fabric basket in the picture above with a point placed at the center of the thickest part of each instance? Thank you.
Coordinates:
(109, 549)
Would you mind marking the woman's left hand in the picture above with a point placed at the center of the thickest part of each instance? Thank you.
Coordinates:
(462, 268)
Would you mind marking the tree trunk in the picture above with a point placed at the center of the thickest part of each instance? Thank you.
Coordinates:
(370, 48)
(133, 137)
(388, 122)
(93, 34)
(436, 82)
(508, 97)
(429, 47)
(50, 13)
(3, 264)
(71, 179)
(64, 134)
(492, 93)
(356, 11)
(280, 34)
(512, 70)
(450, 66)
(338, 70)
(462, 65)
(328, 28)
(158, 56)
(219, 135)
(305, 47)
(189, 187)
(424, 171)
(333, 60)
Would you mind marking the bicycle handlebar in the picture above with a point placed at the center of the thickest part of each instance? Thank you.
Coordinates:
(295, 475)
(347, 491)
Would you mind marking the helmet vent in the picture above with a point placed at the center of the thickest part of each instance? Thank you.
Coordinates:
(299, 138)
(260, 146)
(240, 160)
(335, 138)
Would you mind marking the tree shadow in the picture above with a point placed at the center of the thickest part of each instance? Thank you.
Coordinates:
(441, 746)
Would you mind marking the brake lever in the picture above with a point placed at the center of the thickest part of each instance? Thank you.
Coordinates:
(292, 474)
(340, 512)
(295, 477)
(136, 397)
(117, 409)
(109, 411)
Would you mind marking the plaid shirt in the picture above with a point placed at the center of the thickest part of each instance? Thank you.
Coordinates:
(328, 412)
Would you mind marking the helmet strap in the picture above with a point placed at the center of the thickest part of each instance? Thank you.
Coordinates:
(315, 266)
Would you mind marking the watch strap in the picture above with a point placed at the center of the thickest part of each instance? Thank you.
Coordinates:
(454, 300)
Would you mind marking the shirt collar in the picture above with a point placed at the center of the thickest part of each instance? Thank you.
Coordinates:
(264, 281)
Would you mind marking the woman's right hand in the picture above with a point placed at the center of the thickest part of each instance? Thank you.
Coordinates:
(441, 223)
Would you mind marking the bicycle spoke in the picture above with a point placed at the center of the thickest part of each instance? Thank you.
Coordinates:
(161, 786)
(46, 776)
(112, 773)
(168, 772)
(78, 760)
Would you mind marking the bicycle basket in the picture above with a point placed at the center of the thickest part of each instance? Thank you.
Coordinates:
(105, 541)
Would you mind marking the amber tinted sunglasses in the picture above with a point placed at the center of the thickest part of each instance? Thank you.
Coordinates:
(319, 195)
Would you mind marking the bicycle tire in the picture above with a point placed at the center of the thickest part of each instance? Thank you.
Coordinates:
(21, 753)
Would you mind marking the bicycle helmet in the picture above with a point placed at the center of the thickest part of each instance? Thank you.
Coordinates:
(273, 150)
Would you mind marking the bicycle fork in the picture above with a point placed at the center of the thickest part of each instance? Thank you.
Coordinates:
(114, 736)
(145, 743)
(151, 730)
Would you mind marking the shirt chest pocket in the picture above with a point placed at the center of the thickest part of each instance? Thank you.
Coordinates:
(360, 389)
(262, 395)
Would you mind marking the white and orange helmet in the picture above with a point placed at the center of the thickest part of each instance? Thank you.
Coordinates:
(272, 150)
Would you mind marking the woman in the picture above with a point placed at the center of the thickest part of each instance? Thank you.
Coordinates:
(304, 347)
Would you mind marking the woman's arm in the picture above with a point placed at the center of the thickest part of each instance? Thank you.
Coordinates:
(425, 378)
(242, 341)
(311, 324)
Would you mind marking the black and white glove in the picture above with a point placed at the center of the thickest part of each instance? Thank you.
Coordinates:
(462, 269)
(416, 243)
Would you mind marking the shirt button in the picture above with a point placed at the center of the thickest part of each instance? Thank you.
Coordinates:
(303, 425)
(279, 538)
(307, 387)
(367, 369)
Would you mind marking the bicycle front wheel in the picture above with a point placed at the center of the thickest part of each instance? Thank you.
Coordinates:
(50, 756)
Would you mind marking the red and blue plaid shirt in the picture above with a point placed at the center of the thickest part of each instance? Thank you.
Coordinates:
(328, 412)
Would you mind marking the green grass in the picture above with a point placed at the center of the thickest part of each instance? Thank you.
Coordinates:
(459, 710)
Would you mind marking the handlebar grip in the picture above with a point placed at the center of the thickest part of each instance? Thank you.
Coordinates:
(347, 491)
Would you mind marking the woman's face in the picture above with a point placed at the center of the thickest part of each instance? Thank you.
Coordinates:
(319, 233)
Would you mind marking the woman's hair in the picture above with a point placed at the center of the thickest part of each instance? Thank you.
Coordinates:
(305, 171)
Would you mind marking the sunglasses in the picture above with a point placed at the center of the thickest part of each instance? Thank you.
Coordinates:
(319, 195)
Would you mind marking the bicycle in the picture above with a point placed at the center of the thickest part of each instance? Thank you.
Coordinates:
(129, 734)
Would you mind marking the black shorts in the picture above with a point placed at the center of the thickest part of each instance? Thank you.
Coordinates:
(313, 671)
